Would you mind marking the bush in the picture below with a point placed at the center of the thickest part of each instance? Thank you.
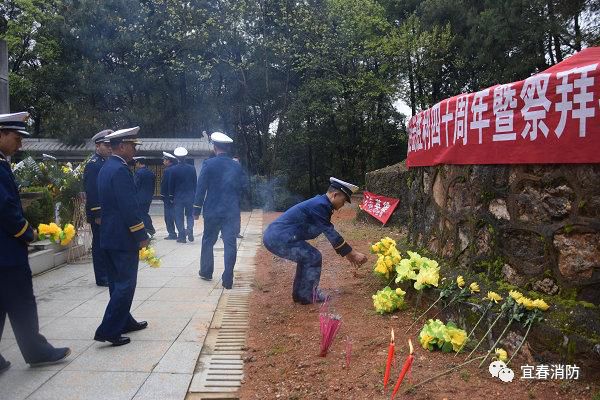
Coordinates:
(39, 210)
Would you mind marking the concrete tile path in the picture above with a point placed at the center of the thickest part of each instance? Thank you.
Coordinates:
(158, 363)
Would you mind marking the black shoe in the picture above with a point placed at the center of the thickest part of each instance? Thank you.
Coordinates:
(227, 286)
(191, 238)
(171, 237)
(103, 284)
(181, 240)
(118, 341)
(137, 327)
(4, 366)
(58, 354)
(206, 278)
(240, 236)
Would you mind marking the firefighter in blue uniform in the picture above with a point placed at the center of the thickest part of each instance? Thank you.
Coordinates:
(182, 187)
(287, 237)
(16, 288)
(122, 234)
(169, 161)
(220, 186)
(92, 202)
(144, 184)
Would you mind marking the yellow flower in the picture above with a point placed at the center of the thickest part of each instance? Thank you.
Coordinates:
(474, 287)
(154, 262)
(54, 229)
(457, 337)
(400, 292)
(389, 262)
(425, 339)
(69, 233)
(375, 248)
(44, 229)
(493, 296)
(387, 242)
(540, 304)
(515, 295)
(501, 354)
(460, 281)
(427, 276)
(526, 302)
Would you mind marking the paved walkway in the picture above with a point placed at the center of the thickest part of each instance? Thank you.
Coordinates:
(159, 362)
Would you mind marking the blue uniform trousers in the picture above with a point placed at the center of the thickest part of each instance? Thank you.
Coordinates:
(169, 221)
(181, 209)
(229, 228)
(145, 208)
(308, 264)
(98, 256)
(122, 279)
(18, 302)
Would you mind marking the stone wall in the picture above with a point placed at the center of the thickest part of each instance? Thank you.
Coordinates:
(533, 226)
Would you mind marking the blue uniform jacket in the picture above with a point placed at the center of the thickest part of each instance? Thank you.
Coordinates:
(306, 221)
(122, 227)
(182, 183)
(164, 184)
(15, 231)
(219, 189)
(144, 184)
(90, 185)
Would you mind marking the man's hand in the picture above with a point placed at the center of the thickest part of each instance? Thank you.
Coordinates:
(356, 258)
(144, 243)
(98, 220)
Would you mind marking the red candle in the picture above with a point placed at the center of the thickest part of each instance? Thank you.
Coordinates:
(405, 369)
(388, 365)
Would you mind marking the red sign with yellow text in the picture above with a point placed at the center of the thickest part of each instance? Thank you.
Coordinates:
(551, 117)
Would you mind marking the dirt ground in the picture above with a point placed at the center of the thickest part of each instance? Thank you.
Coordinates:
(282, 358)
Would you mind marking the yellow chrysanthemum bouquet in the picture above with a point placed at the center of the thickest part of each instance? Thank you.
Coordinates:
(445, 337)
(388, 300)
(55, 234)
(388, 257)
(147, 254)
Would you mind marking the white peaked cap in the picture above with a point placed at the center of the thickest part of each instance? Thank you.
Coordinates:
(347, 188)
(180, 152)
(101, 136)
(15, 121)
(219, 137)
(124, 135)
(169, 155)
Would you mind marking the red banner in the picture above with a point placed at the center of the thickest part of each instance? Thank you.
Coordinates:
(380, 207)
(551, 117)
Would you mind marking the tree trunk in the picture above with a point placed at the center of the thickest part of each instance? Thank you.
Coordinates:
(577, 32)
(549, 50)
(554, 31)
(411, 84)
